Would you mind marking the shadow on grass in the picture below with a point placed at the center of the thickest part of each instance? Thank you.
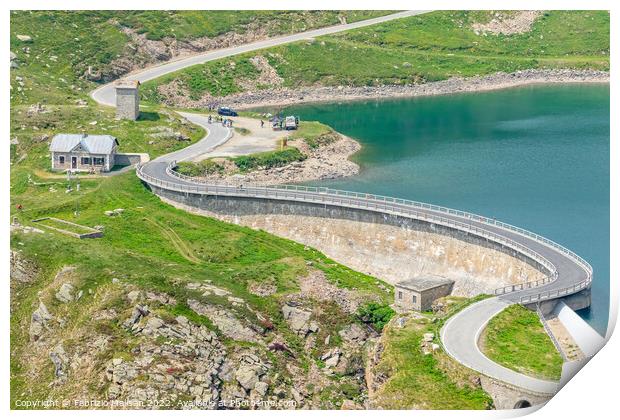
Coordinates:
(148, 116)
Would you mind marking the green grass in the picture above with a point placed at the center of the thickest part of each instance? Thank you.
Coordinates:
(205, 167)
(268, 160)
(419, 381)
(60, 224)
(33, 132)
(65, 44)
(418, 49)
(189, 24)
(138, 249)
(515, 338)
(314, 133)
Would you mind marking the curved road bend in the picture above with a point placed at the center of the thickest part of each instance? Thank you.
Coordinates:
(460, 334)
(105, 94)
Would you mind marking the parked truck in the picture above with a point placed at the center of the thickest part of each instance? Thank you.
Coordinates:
(291, 122)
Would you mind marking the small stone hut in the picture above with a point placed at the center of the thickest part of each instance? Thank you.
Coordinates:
(83, 152)
(419, 293)
(127, 99)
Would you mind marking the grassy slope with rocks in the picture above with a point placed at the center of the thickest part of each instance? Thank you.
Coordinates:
(64, 45)
(152, 247)
(410, 374)
(417, 49)
(515, 338)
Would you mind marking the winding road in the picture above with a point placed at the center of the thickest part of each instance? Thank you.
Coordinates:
(105, 95)
(567, 272)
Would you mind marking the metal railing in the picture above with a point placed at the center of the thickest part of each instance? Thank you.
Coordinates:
(550, 333)
(523, 286)
(395, 206)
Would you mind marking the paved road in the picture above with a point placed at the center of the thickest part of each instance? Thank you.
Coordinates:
(460, 334)
(105, 95)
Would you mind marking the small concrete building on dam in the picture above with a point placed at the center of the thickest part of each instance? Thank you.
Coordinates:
(418, 294)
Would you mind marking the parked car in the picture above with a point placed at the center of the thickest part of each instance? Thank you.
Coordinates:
(226, 111)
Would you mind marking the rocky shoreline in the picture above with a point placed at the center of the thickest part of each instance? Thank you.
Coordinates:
(325, 162)
(285, 96)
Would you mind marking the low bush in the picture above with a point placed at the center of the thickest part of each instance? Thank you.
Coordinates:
(206, 167)
(375, 314)
(268, 160)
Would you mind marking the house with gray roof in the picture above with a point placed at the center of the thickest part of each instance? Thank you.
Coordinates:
(83, 152)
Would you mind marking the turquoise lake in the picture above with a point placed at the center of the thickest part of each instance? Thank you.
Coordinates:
(536, 157)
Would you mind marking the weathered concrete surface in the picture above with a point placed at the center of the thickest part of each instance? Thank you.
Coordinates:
(388, 247)
(507, 397)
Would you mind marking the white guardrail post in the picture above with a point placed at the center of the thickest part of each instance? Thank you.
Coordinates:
(399, 207)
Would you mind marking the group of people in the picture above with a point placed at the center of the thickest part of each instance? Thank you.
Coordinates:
(226, 122)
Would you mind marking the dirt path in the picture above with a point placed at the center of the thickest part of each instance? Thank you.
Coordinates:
(176, 241)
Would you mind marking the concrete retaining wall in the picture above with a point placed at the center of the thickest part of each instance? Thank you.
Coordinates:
(389, 247)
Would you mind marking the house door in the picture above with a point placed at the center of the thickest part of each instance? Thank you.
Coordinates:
(73, 162)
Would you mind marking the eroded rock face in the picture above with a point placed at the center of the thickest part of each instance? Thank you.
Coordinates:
(354, 334)
(225, 321)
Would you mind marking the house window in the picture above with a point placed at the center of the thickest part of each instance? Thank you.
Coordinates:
(61, 160)
(99, 161)
(414, 298)
(85, 161)
(400, 295)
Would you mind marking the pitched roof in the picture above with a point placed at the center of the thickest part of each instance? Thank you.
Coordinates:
(96, 144)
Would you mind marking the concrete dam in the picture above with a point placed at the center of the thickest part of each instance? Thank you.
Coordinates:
(395, 239)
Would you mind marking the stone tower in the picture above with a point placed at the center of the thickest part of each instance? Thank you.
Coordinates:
(127, 99)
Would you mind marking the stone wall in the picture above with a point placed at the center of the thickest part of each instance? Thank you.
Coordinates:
(506, 397)
(389, 247)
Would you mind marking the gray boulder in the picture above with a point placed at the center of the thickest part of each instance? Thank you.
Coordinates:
(65, 294)
(39, 322)
(299, 320)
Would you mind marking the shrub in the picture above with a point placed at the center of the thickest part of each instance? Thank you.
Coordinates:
(375, 314)
(268, 160)
(206, 167)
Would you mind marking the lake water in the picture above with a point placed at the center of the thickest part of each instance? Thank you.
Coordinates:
(536, 157)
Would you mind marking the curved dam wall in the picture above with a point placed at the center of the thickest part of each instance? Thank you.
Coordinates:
(391, 248)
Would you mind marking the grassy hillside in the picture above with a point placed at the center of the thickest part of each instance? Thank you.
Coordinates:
(417, 49)
(411, 375)
(515, 338)
(153, 248)
(53, 64)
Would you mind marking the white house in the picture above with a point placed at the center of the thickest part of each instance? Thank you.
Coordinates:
(83, 152)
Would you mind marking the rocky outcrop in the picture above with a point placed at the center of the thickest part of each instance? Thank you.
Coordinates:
(225, 321)
(60, 360)
(299, 320)
(66, 293)
(508, 22)
(40, 322)
(21, 270)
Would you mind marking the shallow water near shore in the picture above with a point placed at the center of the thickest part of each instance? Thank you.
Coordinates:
(535, 156)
